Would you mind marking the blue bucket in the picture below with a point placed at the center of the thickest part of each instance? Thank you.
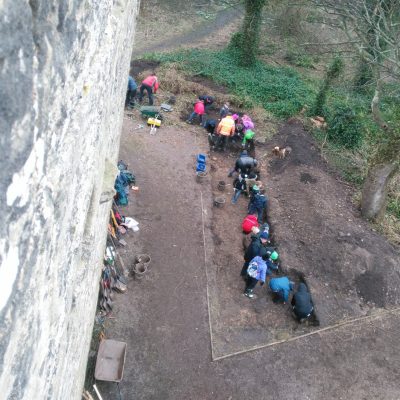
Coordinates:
(201, 158)
(200, 167)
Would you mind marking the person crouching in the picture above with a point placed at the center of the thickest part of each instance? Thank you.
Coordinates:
(198, 111)
(301, 303)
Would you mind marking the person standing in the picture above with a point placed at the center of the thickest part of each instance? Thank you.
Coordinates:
(150, 85)
(131, 92)
(256, 272)
(225, 129)
(281, 287)
(198, 111)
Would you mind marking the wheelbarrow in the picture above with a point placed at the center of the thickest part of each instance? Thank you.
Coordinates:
(151, 112)
(110, 362)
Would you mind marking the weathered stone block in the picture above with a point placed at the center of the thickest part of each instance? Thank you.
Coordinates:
(63, 78)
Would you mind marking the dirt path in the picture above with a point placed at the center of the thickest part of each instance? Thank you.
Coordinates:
(208, 34)
(165, 318)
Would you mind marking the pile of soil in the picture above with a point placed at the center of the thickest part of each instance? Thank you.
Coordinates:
(349, 267)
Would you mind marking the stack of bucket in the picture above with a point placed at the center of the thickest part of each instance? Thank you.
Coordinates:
(201, 163)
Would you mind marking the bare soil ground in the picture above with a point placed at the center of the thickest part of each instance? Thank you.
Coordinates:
(350, 268)
(189, 310)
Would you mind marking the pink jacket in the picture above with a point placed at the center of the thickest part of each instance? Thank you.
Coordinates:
(247, 122)
(199, 108)
(151, 81)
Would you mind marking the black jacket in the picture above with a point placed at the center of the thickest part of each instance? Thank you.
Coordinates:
(207, 99)
(255, 248)
(245, 164)
(210, 125)
(301, 302)
(240, 182)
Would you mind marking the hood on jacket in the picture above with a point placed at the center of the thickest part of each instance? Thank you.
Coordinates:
(302, 288)
(255, 238)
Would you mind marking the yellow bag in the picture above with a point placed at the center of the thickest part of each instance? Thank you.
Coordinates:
(154, 121)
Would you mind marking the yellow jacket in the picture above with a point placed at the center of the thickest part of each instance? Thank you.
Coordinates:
(227, 126)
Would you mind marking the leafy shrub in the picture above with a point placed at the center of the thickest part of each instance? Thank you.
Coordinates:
(345, 127)
(394, 206)
(299, 59)
(279, 90)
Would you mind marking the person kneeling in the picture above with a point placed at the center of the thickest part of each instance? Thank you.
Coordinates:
(281, 287)
(239, 186)
(301, 303)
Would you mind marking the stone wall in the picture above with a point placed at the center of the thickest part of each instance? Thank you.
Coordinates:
(63, 79)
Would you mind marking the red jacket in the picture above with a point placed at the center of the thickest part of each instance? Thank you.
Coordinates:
(248, 223)
(151, 81)
(199, 108)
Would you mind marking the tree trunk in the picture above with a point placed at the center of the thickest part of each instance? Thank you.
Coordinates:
(384, 166)
(376, 112)
(251, 31)
(374, 194)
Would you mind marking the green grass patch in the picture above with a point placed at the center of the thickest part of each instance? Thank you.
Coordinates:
(280, 90)
(394, 207)
(300, 59)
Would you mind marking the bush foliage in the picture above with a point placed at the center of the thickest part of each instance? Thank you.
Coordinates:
(345, 127)
(279, 90)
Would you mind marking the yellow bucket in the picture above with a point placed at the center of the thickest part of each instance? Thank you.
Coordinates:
(154, 121)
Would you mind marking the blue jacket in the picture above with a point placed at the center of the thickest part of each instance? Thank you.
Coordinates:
(258, 269)
(282, 286)
(131, 84)
(257, 203)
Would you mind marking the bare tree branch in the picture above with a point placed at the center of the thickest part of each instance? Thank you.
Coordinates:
(372, 28)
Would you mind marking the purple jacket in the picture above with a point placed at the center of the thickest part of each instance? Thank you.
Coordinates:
(258, 269)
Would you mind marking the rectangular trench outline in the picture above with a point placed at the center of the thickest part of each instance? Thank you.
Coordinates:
(381, 313)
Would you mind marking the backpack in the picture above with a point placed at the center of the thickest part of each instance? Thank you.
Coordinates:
(129, 177)
(121, 197)
(252, 269)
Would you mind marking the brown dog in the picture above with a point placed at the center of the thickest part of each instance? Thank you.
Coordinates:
(281, 152)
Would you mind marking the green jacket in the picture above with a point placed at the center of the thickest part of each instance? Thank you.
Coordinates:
(248, 136)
